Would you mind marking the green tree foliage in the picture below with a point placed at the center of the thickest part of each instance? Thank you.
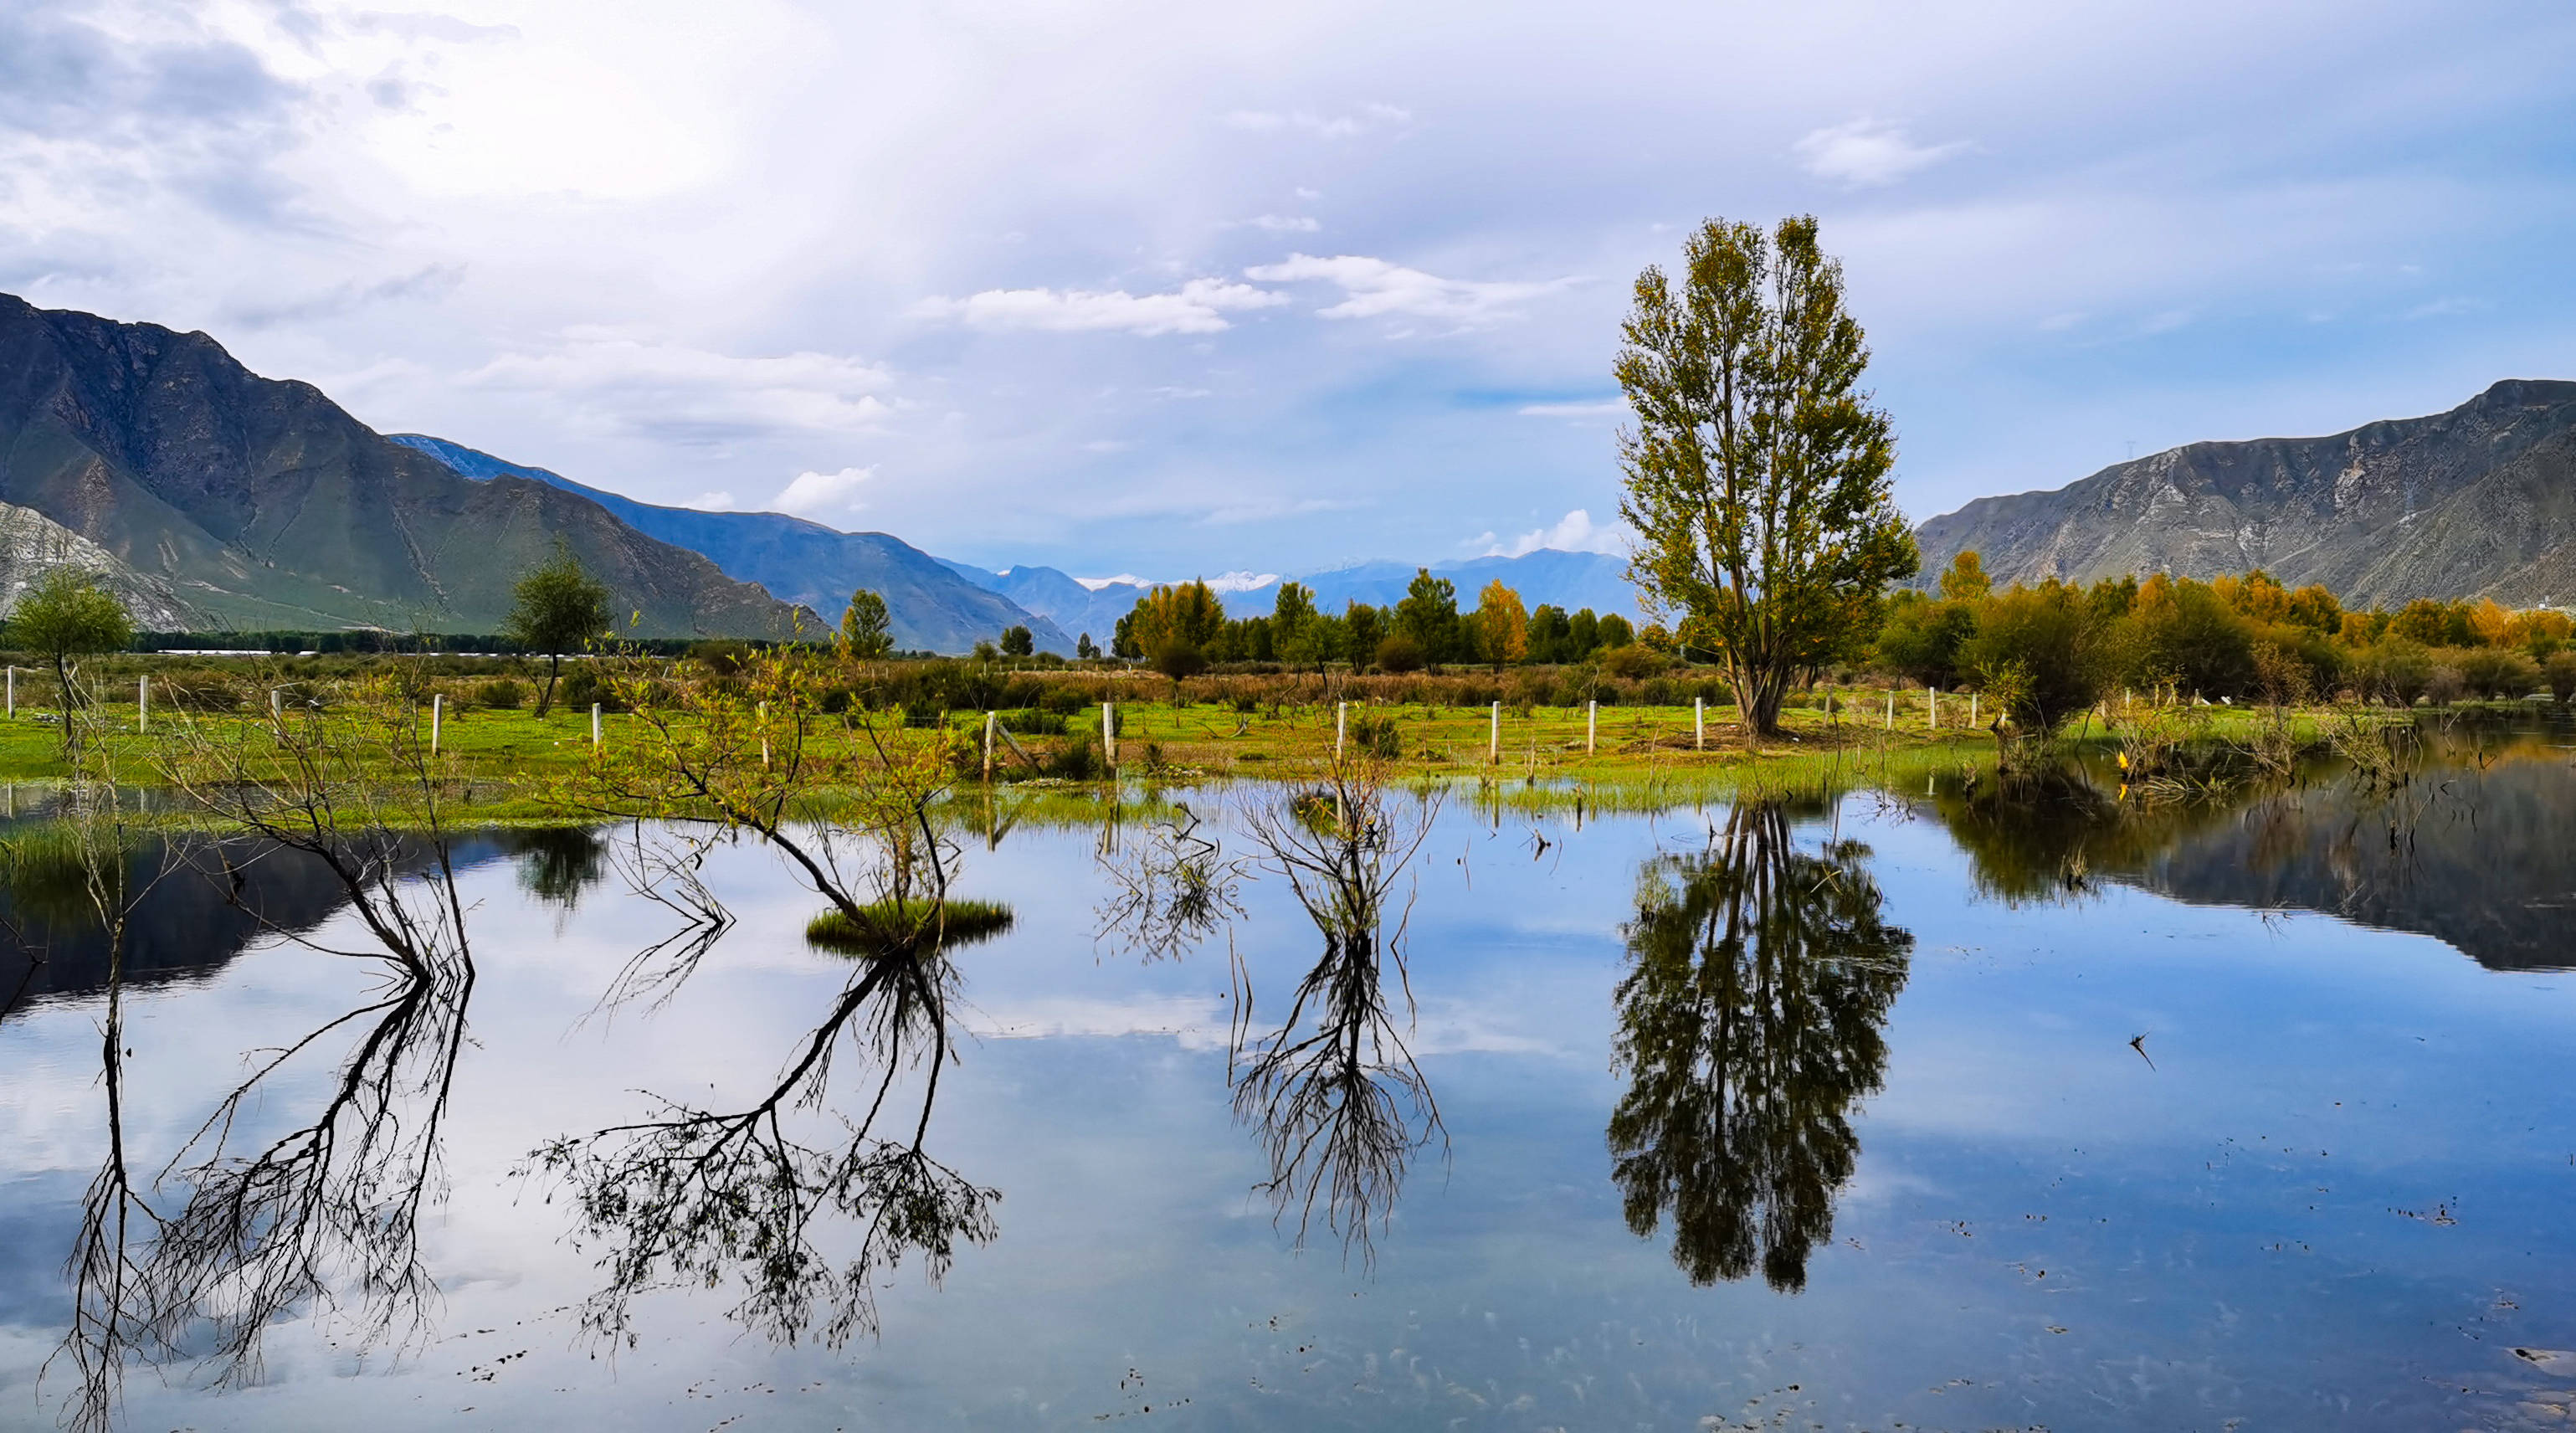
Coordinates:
(867, 631)
(1296, 636)
(1363, 628)
(557, 608)
(1018, 641)
(1548, 633)
(64, 616)
(1429, 615)
(1757, 473)
(1086, 648)
(2045, 650)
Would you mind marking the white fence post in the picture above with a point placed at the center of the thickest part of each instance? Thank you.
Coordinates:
(437, 709)
(1591, 727)
(143, 703)
(989, 719)
(1109, 733)
(13, 691)
(1341, 726)
(1494, 738)
(594, 733)
(1932, 705)
(1699, 723)
(1972, 708)
(1891, 708)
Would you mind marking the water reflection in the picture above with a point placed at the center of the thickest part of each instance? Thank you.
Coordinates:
(2458, 833)
(1751, 1023)
(1333, 1088)
(799, 1202)
(197, 1261)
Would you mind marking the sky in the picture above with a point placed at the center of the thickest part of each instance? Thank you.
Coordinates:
(1178, 289)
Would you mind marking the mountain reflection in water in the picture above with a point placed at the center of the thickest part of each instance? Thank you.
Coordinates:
(2470, 845)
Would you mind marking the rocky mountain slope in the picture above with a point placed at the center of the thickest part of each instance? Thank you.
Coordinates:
(931, 607)
(2480, 500)
(262, 504)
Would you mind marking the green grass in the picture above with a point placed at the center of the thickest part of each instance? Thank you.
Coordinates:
(889, 923)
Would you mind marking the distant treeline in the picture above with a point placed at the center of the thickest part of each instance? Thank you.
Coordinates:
(367, 642)
(1185, 626)
(2055, 648)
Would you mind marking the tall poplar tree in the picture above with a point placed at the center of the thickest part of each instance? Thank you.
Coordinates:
(1757, 472)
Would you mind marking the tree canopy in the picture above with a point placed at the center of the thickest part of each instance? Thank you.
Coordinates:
(866, 628)
(554, 609)
(1757, 471)
(66, 614)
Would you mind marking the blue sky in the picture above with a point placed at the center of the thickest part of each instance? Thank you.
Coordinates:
(1175, 288)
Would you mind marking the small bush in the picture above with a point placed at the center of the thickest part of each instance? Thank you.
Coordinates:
(501, 695)
(1063, 699)
(2444, 686)
(1033, 723)
(1399, 654)
(2560, 669)
(1077, 759)
(1632, 661)
(1377, 736)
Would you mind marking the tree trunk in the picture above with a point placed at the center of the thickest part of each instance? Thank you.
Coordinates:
(546, 698)
(1757, 698)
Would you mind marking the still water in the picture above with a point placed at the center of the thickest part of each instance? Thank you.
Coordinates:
(1963, 1108)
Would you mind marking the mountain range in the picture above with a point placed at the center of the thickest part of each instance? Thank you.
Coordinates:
(930, 607)
(215, 498)
(2478, 501)
(208, 497)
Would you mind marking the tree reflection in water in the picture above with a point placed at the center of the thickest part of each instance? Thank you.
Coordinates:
(1334, 1089)
(327, 1212)
(1751, 1016)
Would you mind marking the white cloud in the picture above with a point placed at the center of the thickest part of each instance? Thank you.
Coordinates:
(815, 494)
(1605, 408)
(1348, 125)
(719, 500)
(1124, 579)
(657, 385)
(1375, 287)
(1285, 223)
(1866, 153)
(1199, 306)
(1575, 532)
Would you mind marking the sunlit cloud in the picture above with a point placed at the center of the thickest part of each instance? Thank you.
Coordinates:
(1866, 153)
(1575, 532)
(1375, 288)
(1199, 306)
(819, 494)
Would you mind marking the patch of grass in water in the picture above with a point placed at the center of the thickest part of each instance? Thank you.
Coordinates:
(890, 923)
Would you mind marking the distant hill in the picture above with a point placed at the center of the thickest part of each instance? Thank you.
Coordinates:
(1569, 580)
(237, 501)
(2478, 501)
(931, 607)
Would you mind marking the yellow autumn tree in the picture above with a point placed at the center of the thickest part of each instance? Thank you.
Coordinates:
(1501, 624)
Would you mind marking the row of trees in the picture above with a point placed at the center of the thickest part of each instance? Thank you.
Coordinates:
(2054, 649)
(1185, 625)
